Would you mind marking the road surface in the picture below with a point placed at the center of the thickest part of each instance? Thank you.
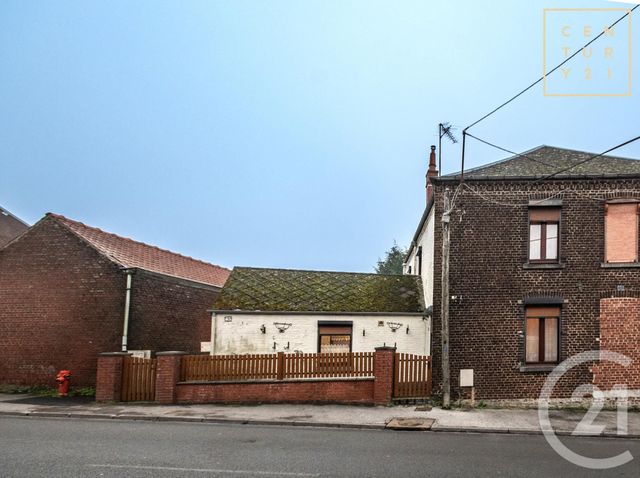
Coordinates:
(31, 447)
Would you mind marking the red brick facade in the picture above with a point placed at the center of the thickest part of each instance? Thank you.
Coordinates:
(62, 303)
(491, 281)
(619, 332)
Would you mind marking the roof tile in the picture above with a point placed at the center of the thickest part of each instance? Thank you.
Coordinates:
(133, 254)
(288, 290)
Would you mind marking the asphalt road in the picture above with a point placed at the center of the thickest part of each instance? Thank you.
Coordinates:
(31, 447)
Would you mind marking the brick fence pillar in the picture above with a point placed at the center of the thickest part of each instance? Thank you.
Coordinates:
(383, 375)
(109, 376)
(167, 376)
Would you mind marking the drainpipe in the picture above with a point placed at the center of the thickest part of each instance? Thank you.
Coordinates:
(127, 307)
(213, 334)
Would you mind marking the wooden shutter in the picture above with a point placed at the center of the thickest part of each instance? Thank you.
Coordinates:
(621, 232)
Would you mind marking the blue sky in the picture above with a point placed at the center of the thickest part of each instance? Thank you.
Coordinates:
(271, 133)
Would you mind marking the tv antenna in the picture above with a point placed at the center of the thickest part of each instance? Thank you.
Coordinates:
(444, 129)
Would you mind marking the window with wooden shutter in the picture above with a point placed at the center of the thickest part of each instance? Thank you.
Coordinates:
(621, 232)
(542, 335)
(544, 234)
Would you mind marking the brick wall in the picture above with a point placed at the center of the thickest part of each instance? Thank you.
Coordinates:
(489, 280)
(61, 304)
(304, 391)
(169, 314)
(363, 391)
(619, 332)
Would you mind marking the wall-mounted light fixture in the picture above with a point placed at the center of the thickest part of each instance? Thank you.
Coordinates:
(274, 346)
(287, 347)
(263, 329)
(407, 329)
(282, 326)
(363, 332)
(394, 326)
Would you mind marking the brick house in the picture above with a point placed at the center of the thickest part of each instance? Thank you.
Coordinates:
(266, 311)
(69, 291)
(540, 269)
(10, 227)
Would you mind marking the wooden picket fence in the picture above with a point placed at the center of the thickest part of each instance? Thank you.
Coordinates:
(412, 376)
(280, 366)
(138, 379)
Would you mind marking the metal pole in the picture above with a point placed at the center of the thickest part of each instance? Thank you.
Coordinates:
(446, 238)
(464, 137)
(439, 149)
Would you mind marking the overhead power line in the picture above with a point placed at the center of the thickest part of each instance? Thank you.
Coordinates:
(591, 158)
(521, 155)
(551, 71)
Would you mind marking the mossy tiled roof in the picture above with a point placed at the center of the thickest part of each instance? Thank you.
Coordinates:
(254, 289)
(545, 160)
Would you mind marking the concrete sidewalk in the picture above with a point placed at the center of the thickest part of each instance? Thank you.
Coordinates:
(477, 420)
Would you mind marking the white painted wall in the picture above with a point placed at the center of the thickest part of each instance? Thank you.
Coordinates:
(242, 335)
(426, 240)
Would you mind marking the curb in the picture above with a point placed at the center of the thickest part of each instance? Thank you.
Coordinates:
(161, 418)
(357, 426)
(530, 431)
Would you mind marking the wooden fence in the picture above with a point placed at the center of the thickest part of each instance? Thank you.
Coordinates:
(412, 376)
(281, 366)
(138, 379)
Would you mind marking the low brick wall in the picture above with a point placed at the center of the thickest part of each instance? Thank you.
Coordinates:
(346, 391)
(376, 390)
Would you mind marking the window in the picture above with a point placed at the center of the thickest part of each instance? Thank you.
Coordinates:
(544, 234)
(621, 232)
(542, 335)
(334, 338)
(419, 255)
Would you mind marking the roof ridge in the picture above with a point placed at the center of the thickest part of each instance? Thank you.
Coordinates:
(63, 218)
(318, 271)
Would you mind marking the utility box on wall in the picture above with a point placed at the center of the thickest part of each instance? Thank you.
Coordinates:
(466, 377)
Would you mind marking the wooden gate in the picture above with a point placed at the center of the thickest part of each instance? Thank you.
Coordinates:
(138, 380)
(412, 376)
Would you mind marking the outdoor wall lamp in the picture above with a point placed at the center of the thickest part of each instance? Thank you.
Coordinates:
(274, 346)
(407, 330)
(282, 326)
(263, 329)
(364, 333)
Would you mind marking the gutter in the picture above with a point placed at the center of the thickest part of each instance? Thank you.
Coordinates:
(310, 312)
(559, 177)
(127, 308)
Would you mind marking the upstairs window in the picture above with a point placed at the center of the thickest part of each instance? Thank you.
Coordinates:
(621, 232)
(542, 335)
(544, 234)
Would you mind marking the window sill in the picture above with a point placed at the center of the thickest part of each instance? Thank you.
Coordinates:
(537, 368)
(543, 265)
(620, 265)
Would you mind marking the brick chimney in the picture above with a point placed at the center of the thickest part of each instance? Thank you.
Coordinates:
(432, 172)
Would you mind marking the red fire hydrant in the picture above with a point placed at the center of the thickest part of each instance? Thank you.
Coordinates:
(63, 378)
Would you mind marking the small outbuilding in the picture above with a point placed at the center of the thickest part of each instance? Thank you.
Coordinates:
(69, 291)
(262, 311)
